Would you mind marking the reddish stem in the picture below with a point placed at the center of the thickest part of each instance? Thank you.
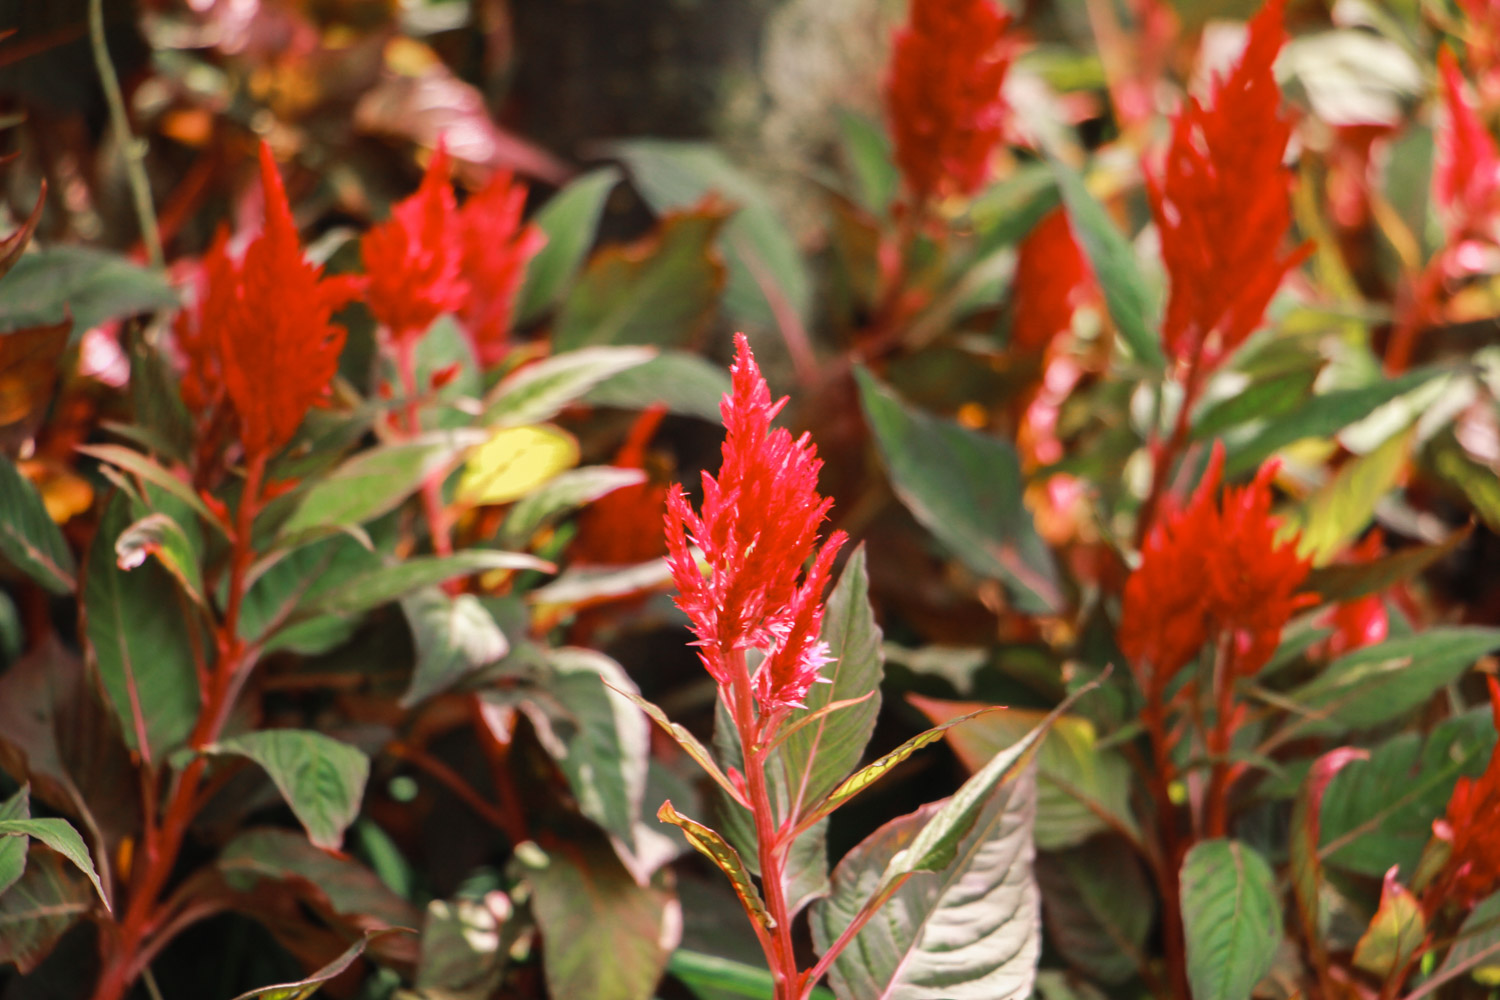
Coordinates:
(772, 852)
(1219, 739)
(123, 944)
(1414, 316)
(432, 486)
(1154, 717)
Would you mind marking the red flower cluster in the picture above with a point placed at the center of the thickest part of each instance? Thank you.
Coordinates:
(1466, 179)
(431, 258)
(1051, 277)
(619, 528)
(1223, 206)
(496, 250)
(1471, 827)
(943, 96)
(1209, 570)
(414, 260)
(1362, 621)
(758, 527)
(271, 364)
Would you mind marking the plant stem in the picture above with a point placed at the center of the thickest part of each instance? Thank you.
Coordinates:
(432, 486)
(133, 148)
(121, 949)
(783, 959)
(1154, 717)
(1219, 738)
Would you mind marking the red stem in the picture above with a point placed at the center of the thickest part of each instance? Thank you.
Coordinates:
(1154, 717)
(782, 959)
(123, 944)
(1219, 739)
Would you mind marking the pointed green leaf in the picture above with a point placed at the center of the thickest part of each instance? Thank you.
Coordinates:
(322, 779)
(821, 754)
(159, 536)
(1476, 945)
(603, 936)
(1396, 932)
(139, 636)
(1232, 919)
(148, 470)
(29, 539)
(389, 583)
(570, 219)
(690, 744)
(969, 930)
(59, 835)
(559, 497)
(454, 636)
(375, 482)
(304, 988)
(1113, 263)
(87, 284)
(40, 908)
(13, 846)
(714, 847)
(965, 488)
(542, 390)
(684, 383)
(713, 978)
(1100, 907)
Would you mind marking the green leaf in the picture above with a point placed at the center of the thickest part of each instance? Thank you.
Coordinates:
(388, 583)
(868, 158)
(820, 755)
(570, 219)
(1261, 400)
(1321, 416)
(604, 937)
(322, 779)
(1342, 508)
(660, 291)
(1114, 266)
(306, 987)
(1378, 683)
(149, 471)
(375, 482)
(294, 579)
(47, 900)
(672, 176)
(1004, 214)
(714, 978)
(966, 489)
(465, 944)
(965, 929)
(454, 637)
(28, 537)
(1231, 918)
(689, 743)
(141, 641)
(1081, 790)
(59, 835)
(1350, 581)
(683, 383)
(92, 286)
(540, 391)
(1100, 907)
(160, 536)
(337, 887)
(559, 497)
(715, 848)
(1395, 934)
(1476, 945)
(13, 847)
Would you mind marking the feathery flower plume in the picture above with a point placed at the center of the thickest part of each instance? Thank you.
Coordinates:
(1223, 207)
(1471, 828)
(261, 336)
(414, 259)
(1213, 568)
(496, 249)
(943, 95)
(1466, 178)
(1051, 277)
(758, 527)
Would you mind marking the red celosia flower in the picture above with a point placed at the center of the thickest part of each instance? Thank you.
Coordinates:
(1222, 205)
(496, 249)
(1051, 277)
(262, 335)
(414, 258)
(1471, 826)
(943, 95)
(758, 527)
(1209, 570)
(1362, 621)
(1466, 178)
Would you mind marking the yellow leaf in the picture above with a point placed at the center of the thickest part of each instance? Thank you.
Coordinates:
(515, 461)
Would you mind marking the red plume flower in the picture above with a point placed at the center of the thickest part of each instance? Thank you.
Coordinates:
(758, 528)
(1466, 179)
(1211, 569)
(1051, 278)
(1223, 207)
(414, 258)
(262, 335)
(1471, 826)
(496, 250)
(943, 95)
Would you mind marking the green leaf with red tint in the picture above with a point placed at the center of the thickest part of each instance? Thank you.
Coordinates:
(1232, 918)
(29, 539)
(570, 219)
(40, 908)
(321, 778)
(306, 987)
